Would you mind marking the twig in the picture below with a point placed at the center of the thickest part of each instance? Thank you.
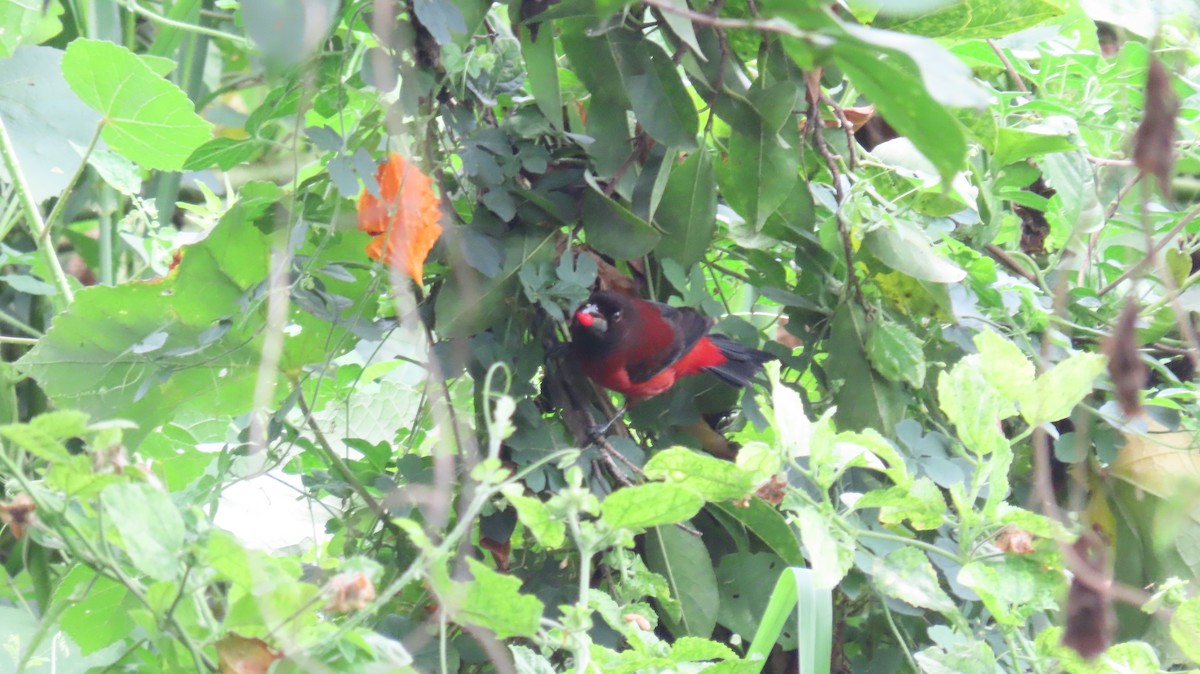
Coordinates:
(59, 205)
(134, 7)
(1008, 67)
(768, 26)
(847, 127)
(24, 341)
(33, 215)
(337, 464)
(814, 126)
(1152, 253)
(1009, 263)
(1101, 161)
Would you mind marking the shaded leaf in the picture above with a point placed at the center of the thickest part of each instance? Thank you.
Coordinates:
(683, 560)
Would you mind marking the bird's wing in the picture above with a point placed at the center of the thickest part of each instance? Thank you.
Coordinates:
(670, 332)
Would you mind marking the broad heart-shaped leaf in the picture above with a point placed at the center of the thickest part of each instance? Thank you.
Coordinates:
(901, 246)
(1056, 392)
(48, 124)
(94, 357)
(493, 601)
(864, 399)
(151, 528)
(650, 504)
(683, 560)
(1004, 365)
(542, 66)
(976, 19)
(656, 92)
(1014, 588)
(146, 118)
(688, 210)
(713, 479)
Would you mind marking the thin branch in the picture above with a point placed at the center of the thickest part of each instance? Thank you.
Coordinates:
(1151, 254)
(814, 126)
(768, 26)
(1008, 67)
(33, 215)
(1007, 261)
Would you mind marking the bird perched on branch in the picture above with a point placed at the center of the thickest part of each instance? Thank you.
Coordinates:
(640, 348)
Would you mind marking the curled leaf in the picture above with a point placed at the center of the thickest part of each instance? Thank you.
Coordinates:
(405, 219)
(1124, 366)
(350, 591)
(240, 655)
(1015, 540)
(18, 513)
(1154, 142)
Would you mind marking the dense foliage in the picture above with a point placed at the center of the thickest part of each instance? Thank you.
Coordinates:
(252, 416)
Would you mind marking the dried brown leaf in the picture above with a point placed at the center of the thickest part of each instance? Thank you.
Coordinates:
(1154, 142)
(239, 655)
(1126, 368)
(1091, 621)
(18, 513)
(1015, 540)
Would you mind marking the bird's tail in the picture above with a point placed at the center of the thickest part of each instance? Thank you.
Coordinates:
(741, 362)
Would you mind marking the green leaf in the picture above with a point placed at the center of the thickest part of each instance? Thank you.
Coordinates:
(541, 64)
(1004, 365)
(686, 649)
(146, 118)
(493, 600)
(682, 26)
(921, 502)
(973, 405)
(903, 101)
(1014, 145)
(902, 246)
(1057, 391)
(207, 366)
(797, 590)
(761, 170)
(224, 153)
(907, 575)
(614, 230)
(152, 530)
(647, 505)
(864, 399)
(746, 580)
(474, 303)
(829, 549)
(713, 479)
(1185, 628)
(1013, 589)
(48, 125)
(36, 441)
(683, 560)
(528, 661)
(656, 92)
(977, 19)
(28, 22)
(688, 210)
(534, 514)
(764, 521)
(97, 612)
(896, 353)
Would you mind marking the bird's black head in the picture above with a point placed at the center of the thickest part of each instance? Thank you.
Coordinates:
(600, 319)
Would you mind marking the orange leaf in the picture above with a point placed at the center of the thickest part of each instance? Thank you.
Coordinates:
(405, 221)
(239, 655)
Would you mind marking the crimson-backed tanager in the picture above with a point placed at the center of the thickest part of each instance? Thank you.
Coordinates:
(640, 348)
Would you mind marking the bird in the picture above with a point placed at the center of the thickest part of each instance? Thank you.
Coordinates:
(640, 348)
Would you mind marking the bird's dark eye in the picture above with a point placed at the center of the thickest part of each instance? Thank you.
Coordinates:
(616, 315)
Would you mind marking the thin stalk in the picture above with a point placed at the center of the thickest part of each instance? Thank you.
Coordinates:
(59, 205)
(33, 215)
